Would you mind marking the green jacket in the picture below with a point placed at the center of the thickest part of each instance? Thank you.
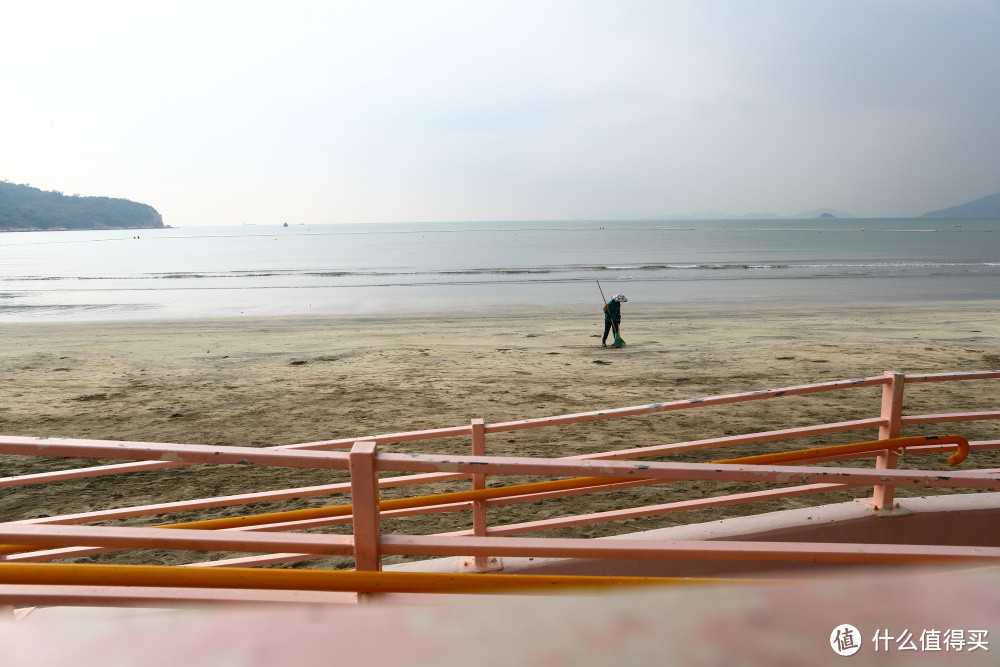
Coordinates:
(613, 312)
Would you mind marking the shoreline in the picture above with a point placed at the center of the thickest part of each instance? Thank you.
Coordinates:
(487, 300)
(577, 309)
(78, 229)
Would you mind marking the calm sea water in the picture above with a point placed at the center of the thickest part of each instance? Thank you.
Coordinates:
(358, 269)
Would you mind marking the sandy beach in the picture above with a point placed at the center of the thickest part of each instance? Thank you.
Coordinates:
(265, 382)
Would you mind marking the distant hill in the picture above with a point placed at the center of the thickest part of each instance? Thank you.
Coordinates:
(986, 207)
(824, 213)
(24, 208)
(719, 215)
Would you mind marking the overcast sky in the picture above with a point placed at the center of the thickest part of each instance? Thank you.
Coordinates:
(315, 112)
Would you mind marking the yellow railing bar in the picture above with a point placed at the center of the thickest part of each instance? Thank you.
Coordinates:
(859, 448)
(542, 487)
(384, 505)
(40, 574)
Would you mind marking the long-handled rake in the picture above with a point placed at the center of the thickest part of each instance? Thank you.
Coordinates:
(618, 339)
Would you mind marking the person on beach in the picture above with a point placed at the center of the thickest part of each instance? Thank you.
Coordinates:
(612, 316)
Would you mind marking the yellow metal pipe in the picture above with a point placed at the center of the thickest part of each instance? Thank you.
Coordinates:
(541, 487)
(384, 505)
(960, 454)
(570, 483)
(40, 574)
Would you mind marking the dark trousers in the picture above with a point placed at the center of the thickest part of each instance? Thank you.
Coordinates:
(607, 329)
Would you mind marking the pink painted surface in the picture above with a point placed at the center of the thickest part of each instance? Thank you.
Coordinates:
(730, 440)
(161, 451)
(952, 377)
(159, 598)
(956, 520)
(674, 471)
(156, 465)
(364, 499)
(245, 498)
(748, 624)
(951, 417)
(435, 545)
(679, 405)
(891, 412)
(127, 537)
(479, 563)
(666, 508)
(623, 548)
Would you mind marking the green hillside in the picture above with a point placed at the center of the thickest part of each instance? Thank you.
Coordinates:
(24, 208)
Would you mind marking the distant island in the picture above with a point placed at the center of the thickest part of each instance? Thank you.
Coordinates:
(24, 208)
(822, 213)
(984, 207)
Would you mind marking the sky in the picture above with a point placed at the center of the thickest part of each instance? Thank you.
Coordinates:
(377, 111)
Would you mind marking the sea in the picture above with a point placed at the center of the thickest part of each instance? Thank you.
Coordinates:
(362, 269)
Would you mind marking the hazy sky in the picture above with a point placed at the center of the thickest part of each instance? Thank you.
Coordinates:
(264, 112)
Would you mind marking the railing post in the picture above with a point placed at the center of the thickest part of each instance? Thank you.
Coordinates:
(364, 502)
(892, 412)
(479, 563)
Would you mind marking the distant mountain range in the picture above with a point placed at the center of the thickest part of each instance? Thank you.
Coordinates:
(24, 208)
(984, 207)
(719, 215)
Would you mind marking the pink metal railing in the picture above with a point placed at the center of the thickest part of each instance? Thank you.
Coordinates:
(482, 541)
(887, 422)
(366, 544)
(645, 451)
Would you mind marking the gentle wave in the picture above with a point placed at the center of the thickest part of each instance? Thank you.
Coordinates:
(222, 272)
(638, 272)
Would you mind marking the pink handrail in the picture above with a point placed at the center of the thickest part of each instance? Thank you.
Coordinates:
(466, 430)
(953, 377)
(436, 545)
(513, 529)
(685, 404)
(436, 463)
(303, 454)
